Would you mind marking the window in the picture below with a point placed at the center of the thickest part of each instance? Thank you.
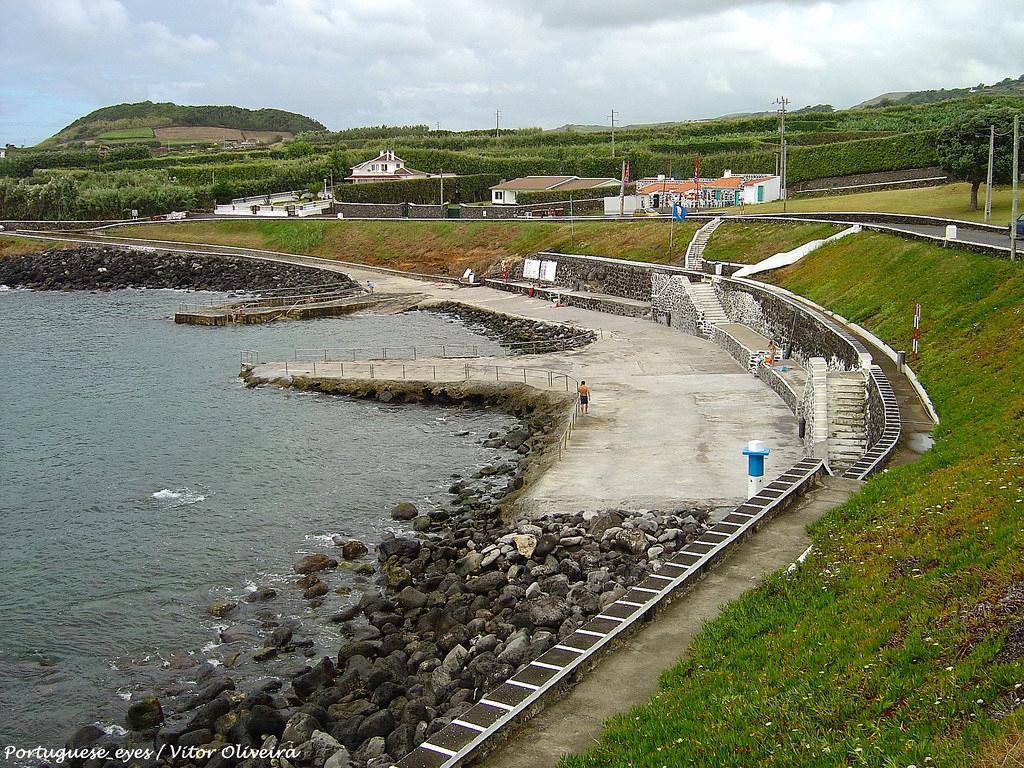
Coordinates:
(499, 195)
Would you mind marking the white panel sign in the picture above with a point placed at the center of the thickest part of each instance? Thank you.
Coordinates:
(531, 269)
(547, 270)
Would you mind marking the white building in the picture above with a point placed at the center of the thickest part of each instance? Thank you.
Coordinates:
(387, 166)
(505, 193)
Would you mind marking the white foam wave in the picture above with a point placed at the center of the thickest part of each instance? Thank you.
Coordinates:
(179, 496)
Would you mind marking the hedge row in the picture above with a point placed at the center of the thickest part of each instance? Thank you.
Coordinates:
(461, 189)
(556, 196)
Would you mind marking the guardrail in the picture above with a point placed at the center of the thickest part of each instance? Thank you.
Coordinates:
(417, 351)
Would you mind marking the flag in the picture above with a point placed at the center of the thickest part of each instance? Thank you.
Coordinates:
(696, 167)
(678, 211)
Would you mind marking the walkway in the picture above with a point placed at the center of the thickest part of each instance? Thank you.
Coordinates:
(670, 412)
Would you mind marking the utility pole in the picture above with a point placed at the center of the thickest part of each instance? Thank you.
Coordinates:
(991, 169)
(613, 115)
(442, 187)
(782, 101)
(497, 122)
(1016, 177)
(572, 227)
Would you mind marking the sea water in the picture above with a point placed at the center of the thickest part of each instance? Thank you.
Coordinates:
(140, 481)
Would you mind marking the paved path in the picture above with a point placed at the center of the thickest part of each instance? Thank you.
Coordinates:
(631, 672)
(670, 412)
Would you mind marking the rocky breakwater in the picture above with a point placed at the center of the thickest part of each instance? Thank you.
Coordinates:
(519, 334)
(106, 269)
(461, 604)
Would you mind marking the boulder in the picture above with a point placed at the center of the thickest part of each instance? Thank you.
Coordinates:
(322, 747)
(314, 563)
(546, 611)
(220, 610)
(421, 524)
(380, 723)
(299, 729)
(261, 595)
(144, 714)
(471, 563)
(353, 549)
(488, 582)
(525, 543)
(404, 511)
(546, 544)
(411, 598)
(264, 721)
(320, 676)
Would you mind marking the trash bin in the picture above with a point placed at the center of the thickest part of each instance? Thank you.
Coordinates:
(951, 231)
(531, 292)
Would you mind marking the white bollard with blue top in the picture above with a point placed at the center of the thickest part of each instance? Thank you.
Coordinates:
(755, 452)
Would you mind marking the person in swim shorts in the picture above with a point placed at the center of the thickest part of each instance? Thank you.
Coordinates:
(584, 393)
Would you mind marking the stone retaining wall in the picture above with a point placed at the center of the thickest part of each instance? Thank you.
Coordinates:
(778, 384)
(371, 210)
(670, 297)
(427, 211)
(787, 322)
(616, 278)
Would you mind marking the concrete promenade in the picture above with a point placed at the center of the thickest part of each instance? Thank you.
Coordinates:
(670, 412)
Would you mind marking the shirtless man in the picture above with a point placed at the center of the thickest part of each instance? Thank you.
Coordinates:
(584, 393)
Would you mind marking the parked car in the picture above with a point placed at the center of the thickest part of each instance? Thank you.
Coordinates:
(1020, 226)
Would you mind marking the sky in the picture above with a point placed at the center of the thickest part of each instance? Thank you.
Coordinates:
(454, 62)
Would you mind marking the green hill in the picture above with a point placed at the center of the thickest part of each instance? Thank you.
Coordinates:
(145, 120)
(1007, 86)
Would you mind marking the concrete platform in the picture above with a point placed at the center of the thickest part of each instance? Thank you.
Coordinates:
(669, 416)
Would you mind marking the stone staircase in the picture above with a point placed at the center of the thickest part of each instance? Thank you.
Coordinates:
(847, 407)
(709, 308)
(694, 258)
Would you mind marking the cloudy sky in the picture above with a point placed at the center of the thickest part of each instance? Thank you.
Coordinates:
(541, 62)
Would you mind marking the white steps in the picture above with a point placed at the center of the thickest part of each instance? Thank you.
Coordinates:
(847, 406)
(709, 308)
(694, 258)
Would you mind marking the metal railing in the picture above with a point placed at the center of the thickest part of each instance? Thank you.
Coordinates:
(417, 351)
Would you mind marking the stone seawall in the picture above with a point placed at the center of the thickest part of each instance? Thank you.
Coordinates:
(108, 268)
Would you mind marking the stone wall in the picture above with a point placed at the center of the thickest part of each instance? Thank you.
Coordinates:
(488, 211)
(597, 275)
(583, 302)
(789, 323)
(46, 226)
(781, 387)
(427, 211)
(874, 424)
(883, 180)
(732, 346)
(670, 298)
(371, 210)
(814, 409)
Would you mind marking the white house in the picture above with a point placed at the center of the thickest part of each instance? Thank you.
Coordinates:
(387, 166)
(731, 189)
(505, 192)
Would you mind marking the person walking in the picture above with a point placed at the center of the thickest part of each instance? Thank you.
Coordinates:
(584, 392)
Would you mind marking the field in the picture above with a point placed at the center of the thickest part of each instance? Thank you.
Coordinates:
(899, 641)
(445, 247)
(947, 201)
(745, 242)
(190, 133)
(14, 246)
(127, 133)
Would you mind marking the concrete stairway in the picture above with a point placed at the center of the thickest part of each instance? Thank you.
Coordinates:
(847, 406)
(710, 308)
(694, 258)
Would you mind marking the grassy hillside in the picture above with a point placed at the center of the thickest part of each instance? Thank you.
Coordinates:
(745, 242)
(130, 121)
(444, 247)
(946, 200)
(899, 641)
(14, 246)
(1007, 86)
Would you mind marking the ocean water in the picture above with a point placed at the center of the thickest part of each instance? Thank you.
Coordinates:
(140, 481)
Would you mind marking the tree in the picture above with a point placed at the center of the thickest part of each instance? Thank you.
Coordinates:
(962, 148)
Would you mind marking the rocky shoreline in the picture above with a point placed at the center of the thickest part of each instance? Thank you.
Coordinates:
(103, 268)
(521, 335)
(459, 600)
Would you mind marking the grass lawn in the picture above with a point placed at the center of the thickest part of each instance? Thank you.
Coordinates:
(888, 647)
(745, 242)
(948, 200)
(444, 247)
(15, 246)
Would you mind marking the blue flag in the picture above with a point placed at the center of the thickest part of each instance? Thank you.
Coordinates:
(678, 211)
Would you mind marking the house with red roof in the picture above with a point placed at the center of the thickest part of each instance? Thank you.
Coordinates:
(731, 189)
(387, 166)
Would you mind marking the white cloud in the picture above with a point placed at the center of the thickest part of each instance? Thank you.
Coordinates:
(352, 62)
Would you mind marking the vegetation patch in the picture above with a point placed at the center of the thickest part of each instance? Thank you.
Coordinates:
(872, 652)
(442, 247)
(748, 242)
